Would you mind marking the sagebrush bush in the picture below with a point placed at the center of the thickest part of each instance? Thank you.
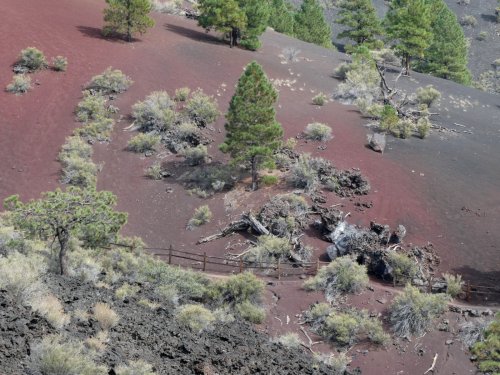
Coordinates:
(56, 356)
(127, 290)
(51, 309)
(76, 146)
(111, 81)
(320, 99)
(290, 340)
(155, 112)
(182, 94)
(78, 171)
(83, 266)
(342, 70)
(60, 63)
(427, 95)
(99, 130)
(154, 171)
(318, 131)
(290, 54)
(472, 331)
(167, 6)
(19, 273)
(302, 175)
(268, 250)
(412, 312)
(250, 312)
(91, 107)
(202, 108)
(404, 129)
(20, 84)
(105, 316)
(196, 155)
(343, 275)
(148, 303)
(404, 268)
(209, 178)
(454, 284)
(337, 363)
(32, 59)
(143, 142)
(361, 81)
(196, 317)
(202, 215)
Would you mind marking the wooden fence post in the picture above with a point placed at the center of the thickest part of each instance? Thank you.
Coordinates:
(279, 275)
(170, 254)
(204, 261)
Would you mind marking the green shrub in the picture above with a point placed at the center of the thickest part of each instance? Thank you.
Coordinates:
(106, 316)
(251, 43)
(320, 99)
(268, 250)
(56, 356)
(290, 340)
(202, 215)
(32, 59)
(412, 312)
(60, 63)
(483, 35)
(97, 130)
(127, 290)
(154, 171)
(76, 146)
(302, 175)
(182, 94)
(405, 129)
(269, 180)
(155, 112)
(488, 350)
(250, 312)
(196, 317)
(237, 289)
(404, 268)
(454, 284)
(343, 275)
(78, 171)
(139, 367)
(337, 363)
(91, 107)
(318, 131)
(143, 142)
(20, 84)
(187, 131)
(209, 178)
(389, 119)
(111, 81)
(196, 155)
(427, 95)
(201, 108)
(423, 127)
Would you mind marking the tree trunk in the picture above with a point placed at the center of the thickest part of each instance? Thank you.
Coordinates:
(255, 185)
(63, 238)
(406, 58)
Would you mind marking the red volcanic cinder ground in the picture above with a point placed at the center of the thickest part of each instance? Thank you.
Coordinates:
(415, 183)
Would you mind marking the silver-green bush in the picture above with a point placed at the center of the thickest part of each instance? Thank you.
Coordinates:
(155, 112)
(318, 131)
(111, 81)
(143, 142)
(202, 215)
(196, 317)
(202, 108)
(20, 84)
(32, 59)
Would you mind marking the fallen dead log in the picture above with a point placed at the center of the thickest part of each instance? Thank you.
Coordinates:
(247, 221)
(433, 364)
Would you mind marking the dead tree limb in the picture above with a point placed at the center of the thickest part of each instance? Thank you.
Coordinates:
(433, 364)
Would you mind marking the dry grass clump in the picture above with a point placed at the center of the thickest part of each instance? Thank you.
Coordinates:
(51, 308)
(20, 84)
(60, 63)
(111, 81)
(20, 274)
(127, 290)
(454, 284)
(343, 275)
(99, 342)
(182, 94)
(317, 131)
(290, 340)
(196, 317)
(412, 312)
(202, 215)
(56, 356)
(154, 171)
(106, 316)
(139, 367)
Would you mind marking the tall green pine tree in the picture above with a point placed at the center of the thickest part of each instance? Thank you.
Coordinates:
(310, 25)
(252, 132)
(408, 25)
(225, 15)
(446, 57)
(257, 14)
(360, 19)
(281, 18)
(127, 17)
